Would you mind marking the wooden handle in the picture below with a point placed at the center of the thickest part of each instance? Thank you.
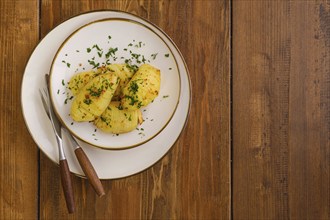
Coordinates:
(67, 185)
(89, 171)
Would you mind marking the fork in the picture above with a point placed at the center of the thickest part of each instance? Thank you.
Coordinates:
(64, 167)
(83, 160)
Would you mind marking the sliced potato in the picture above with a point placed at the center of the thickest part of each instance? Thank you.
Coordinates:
(116, 120)
(80, 114)
(142, 89)
(79, 80)
(94, 97)
(124, 73)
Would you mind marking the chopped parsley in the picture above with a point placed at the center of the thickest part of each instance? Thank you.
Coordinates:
(132, 100)
(92, 62)
(87, 101)
(96, 92)
(153, 56)
(111, 52)
(67, 99)
(134, 87)
(97, 47)
(132, 67)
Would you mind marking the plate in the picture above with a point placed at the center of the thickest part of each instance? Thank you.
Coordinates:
(115, 41)
(109, 164)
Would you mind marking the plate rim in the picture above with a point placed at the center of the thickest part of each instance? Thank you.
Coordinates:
(144, 26)
(40, 41)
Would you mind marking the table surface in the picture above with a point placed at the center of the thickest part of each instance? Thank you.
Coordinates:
(257, 141)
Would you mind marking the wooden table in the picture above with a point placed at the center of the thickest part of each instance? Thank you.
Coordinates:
(257, 143)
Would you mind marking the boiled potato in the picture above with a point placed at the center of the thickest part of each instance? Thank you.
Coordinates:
(116, 120)
(79, 80)
(124, 73)
(78, 113)
(94, 97)
(142, 89)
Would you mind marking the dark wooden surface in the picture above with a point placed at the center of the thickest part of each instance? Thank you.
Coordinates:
(257, 143)
(18, 153)
(281, 110)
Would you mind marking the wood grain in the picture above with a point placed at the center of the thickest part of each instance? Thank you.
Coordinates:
(281, 123)
(193, 180)
(280, 117)
(18, 155)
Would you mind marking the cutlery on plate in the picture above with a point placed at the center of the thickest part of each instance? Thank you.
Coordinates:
(83, 160)
(64, 167)
(86, 165)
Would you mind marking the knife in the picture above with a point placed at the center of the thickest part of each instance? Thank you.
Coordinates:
(64, 167)
(83, 160)
(86, 165)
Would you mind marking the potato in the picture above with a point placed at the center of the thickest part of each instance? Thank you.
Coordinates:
(79, 113)
(117, 121)
(94, 97)
(79, 80)
(124, 73)
(142, 89)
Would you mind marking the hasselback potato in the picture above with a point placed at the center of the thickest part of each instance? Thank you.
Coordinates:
(116, 120)
(142, 89)
(124, 73)
(94, 97)
(80, 80)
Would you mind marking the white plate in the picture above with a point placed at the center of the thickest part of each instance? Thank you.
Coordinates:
(132, 41)
(109, 164)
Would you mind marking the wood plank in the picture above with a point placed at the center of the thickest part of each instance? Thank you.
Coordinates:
(193, 180)
(121, 195)
(19, 154)
(281, 110)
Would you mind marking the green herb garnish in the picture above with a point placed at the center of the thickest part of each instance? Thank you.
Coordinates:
(153, 56)
(97, 47)
(134, 87)
(111, 52)
(92, 62)
(87, 101)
